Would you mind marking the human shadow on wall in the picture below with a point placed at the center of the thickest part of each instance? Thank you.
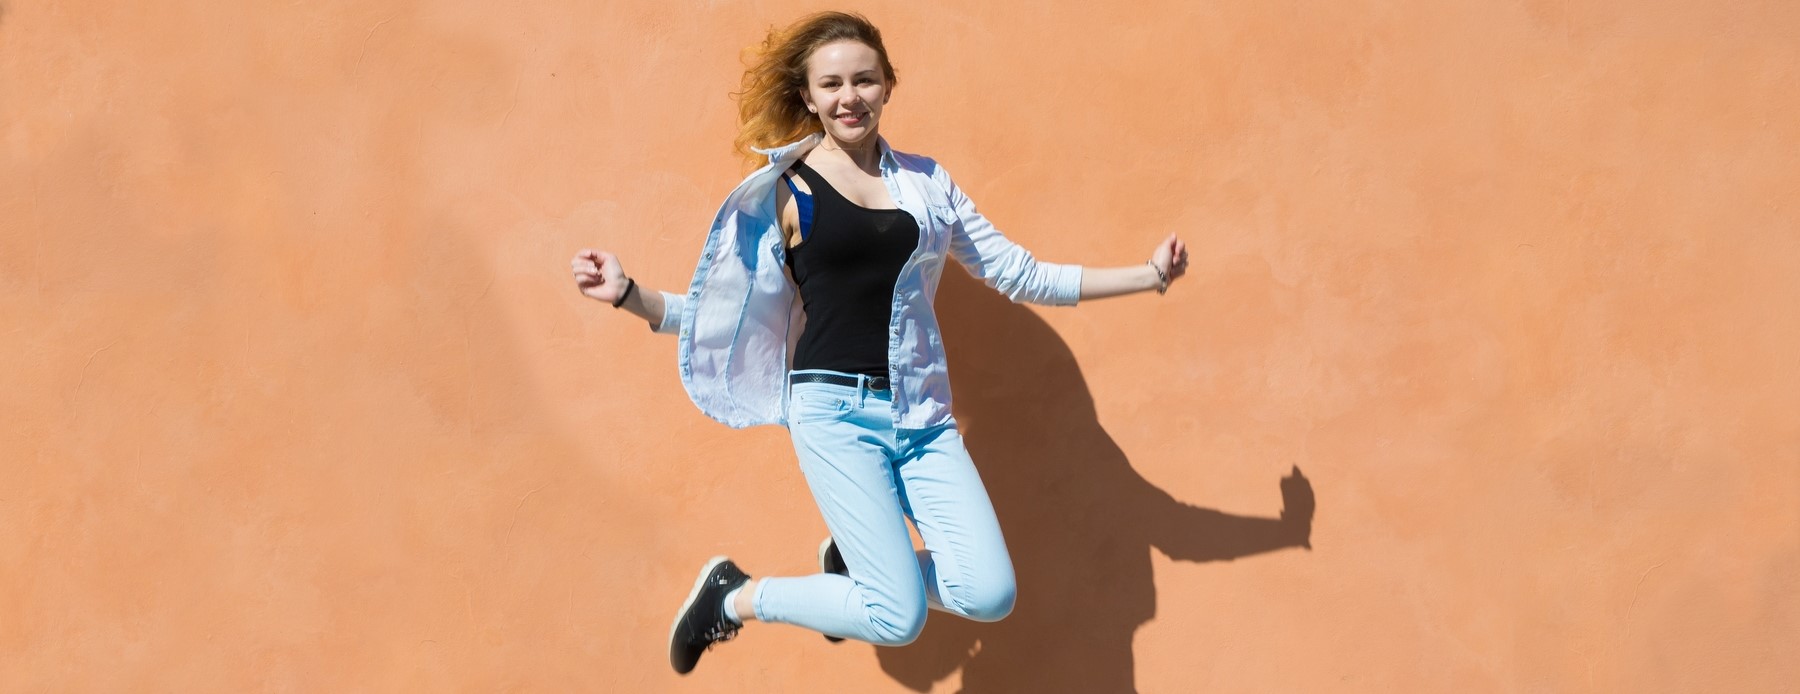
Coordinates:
(1079, 521)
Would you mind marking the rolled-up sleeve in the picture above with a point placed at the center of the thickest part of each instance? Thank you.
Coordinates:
(1006, 266)
(671, 318)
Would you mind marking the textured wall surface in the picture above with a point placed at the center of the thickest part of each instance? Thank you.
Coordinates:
(299, 395)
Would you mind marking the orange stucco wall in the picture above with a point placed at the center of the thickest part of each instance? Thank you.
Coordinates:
(299, 395)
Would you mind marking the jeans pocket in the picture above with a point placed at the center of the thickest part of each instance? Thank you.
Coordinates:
(809, 406)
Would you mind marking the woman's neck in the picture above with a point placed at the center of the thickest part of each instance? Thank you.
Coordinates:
(865, 155)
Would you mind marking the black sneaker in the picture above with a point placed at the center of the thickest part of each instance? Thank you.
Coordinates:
(831, 561)
(701, 621)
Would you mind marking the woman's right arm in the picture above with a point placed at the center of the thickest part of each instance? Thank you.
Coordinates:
(599, 276)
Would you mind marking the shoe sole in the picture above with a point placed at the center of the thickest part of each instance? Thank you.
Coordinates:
(825, 547)
(699, 582)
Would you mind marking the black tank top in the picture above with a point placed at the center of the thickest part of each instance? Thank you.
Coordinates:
(845, 267)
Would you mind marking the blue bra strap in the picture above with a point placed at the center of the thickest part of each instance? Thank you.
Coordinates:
(806, 206)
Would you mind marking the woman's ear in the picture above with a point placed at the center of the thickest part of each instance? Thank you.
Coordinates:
(804, 99)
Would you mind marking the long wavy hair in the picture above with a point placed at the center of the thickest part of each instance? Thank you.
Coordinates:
(770, 110)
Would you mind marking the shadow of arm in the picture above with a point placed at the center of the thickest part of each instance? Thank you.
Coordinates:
(1192, 533)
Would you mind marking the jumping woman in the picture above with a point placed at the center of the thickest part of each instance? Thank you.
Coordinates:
(811, 308)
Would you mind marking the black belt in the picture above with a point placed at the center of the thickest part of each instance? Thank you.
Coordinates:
(875, 382)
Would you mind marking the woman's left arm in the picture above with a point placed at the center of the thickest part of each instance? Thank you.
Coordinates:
(1167, 263)
(1011, 270)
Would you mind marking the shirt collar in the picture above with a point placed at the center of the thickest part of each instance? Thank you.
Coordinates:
(887, 154)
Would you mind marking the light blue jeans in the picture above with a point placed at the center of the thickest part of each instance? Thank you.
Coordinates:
(868, 479)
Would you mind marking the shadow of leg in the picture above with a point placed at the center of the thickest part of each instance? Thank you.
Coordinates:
(1078, 519)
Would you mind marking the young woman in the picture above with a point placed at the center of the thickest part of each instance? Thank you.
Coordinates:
(811, 308)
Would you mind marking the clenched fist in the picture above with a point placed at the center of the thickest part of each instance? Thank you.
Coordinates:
(1171, 258)
(598, 275)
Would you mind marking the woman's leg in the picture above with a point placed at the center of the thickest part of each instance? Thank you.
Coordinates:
(966, 570)
(844, 439)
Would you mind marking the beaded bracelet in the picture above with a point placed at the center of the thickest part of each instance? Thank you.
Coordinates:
(630, 284)
(1162, 278)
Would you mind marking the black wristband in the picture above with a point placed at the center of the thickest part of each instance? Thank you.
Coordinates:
(630, 284)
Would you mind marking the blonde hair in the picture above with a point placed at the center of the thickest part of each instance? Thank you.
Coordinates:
(770, 110)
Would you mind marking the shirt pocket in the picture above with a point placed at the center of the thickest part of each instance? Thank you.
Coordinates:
(943, 219)
(943, 214)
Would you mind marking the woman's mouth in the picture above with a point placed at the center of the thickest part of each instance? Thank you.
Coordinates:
(852, 118)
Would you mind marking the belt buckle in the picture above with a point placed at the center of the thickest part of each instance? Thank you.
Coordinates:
(878, 383)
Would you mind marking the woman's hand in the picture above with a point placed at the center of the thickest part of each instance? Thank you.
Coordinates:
(598, 275)
(1167, 262)
(601, 277)
(1170, 257)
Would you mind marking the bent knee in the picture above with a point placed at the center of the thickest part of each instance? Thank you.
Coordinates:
(896, 629)
(992, 601)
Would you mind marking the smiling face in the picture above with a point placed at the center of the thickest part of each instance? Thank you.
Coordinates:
(846, 88)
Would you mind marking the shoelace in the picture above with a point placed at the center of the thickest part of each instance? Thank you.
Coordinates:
(723, 631)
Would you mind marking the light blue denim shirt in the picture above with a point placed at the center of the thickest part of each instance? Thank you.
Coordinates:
(741, 316)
